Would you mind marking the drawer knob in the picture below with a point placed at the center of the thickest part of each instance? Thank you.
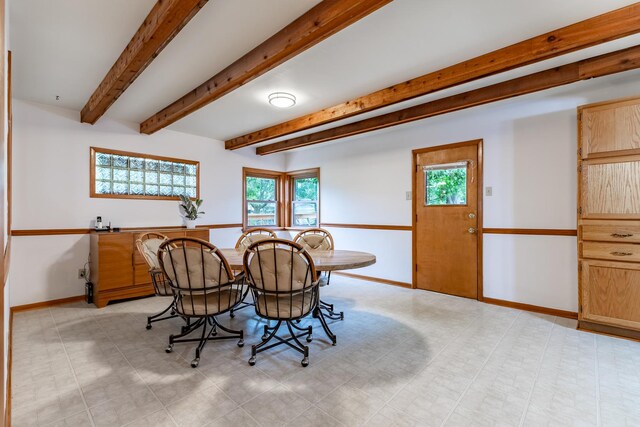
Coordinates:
(621, 253)
(621, 236)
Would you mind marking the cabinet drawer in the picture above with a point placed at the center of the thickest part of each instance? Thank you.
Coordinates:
(612, 233)
(610, 293)
(611, 251)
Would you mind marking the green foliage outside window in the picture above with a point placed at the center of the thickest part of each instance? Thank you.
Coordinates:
(306, 189)
(261, 188)
(446, 186)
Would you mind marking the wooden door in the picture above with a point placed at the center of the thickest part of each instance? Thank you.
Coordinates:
(447, 218)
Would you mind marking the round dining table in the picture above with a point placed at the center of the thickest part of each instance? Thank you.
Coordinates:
(328, 261)
(334, 260)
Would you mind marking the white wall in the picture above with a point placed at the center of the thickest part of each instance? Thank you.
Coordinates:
(51, 190)
(529, 160)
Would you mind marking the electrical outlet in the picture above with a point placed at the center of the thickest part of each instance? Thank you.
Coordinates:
(488, 191)
(408, 195)
(82, 274)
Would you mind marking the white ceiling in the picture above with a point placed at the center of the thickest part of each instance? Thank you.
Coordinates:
(65, 48)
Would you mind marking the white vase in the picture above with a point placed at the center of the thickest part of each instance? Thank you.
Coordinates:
(190, 223)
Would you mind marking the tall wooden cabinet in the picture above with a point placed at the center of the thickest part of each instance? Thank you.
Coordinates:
(118, 271)
(609, 217)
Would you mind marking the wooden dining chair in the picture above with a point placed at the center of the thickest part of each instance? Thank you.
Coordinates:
(205, 287)
(148, 245)
(247, 238)
(284, 284)
(254, 235)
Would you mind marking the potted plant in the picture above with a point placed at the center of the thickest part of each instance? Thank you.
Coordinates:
(189, 210)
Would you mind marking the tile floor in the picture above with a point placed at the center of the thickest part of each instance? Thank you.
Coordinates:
(404, 358)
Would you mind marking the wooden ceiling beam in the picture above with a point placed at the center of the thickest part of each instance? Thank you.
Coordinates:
(323, 20)
(600, 29)
(603, 65)
(164, 21)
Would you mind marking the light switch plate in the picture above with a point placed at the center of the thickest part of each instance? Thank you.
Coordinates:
(408, 195)
(488, 191)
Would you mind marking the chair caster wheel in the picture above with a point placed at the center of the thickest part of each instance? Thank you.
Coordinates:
(195, 362)
(334, 343)
(173, 312)
(264, 337)
(305, 362)
(232, 315)
(148, 326)
(309, 338)
(252, 360)
(241, 343)
(169, 348)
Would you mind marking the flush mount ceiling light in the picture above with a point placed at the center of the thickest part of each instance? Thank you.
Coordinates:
(282, 99)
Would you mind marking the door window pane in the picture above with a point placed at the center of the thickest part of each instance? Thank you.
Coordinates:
(445, 185)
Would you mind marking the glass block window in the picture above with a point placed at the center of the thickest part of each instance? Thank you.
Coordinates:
(445, 184)
(131, 175)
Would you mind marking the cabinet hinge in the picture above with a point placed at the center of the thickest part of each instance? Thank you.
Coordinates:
(580, 167)
(580, 152)
(580, 266)
(580, 210)
(416, 267)
(580, 308)
(416, 217)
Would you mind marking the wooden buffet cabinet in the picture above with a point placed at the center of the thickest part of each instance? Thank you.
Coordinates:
(609, 217)
(118, 271)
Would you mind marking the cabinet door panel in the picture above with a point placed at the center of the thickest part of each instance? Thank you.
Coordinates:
(116, 253)
(141, 274)
(611, 293)
(611, 189)
(613, 128)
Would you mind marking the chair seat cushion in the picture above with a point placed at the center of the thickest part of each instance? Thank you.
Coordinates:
(211, 303)
(285, 307)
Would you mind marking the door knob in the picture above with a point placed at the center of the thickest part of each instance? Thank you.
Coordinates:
(472, 215)
(472, 230)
